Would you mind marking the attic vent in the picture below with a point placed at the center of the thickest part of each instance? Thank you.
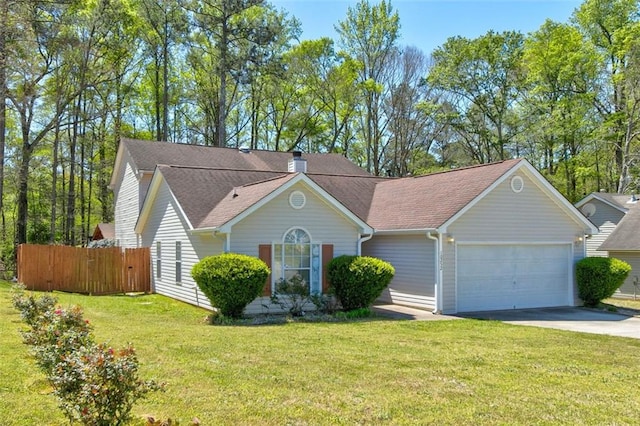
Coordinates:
(297, 200)
(589, 209)
(517, 184)
(297, 164)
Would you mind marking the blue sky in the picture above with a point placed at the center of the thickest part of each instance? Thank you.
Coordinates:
(428, 23)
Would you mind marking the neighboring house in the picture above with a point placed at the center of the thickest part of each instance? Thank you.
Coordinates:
(104, 231)
(618, 218)
(496, 236)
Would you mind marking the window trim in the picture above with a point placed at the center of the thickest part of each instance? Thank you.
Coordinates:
(315, 260)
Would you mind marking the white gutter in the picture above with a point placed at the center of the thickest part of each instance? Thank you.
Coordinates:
(213, 230)
(361, 240)
(438, 265)
(402, 231)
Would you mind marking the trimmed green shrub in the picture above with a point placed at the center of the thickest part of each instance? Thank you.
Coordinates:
(599, 277)
(358, 280)
(230, 281)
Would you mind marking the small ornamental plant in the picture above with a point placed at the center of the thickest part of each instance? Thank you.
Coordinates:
(292, 295)
(95, 384)
(98, 385)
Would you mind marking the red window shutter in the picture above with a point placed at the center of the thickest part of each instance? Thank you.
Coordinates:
(264, 253)
(327, 255)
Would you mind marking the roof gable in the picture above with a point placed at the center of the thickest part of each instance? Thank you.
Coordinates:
(617, 201)
(427, 202)
(625, 237)
(216, 198)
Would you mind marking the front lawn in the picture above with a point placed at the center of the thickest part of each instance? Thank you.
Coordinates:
(365, 372)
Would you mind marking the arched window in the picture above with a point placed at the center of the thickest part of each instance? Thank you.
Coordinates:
(297, 255)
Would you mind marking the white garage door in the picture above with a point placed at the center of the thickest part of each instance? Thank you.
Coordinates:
(494, 277)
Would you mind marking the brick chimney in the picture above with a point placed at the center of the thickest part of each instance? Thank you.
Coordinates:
(297, 164)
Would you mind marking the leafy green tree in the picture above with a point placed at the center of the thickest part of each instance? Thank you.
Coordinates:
(485, 75)
(613, 28)
(238, 30)
(370, 34)
(561, 76)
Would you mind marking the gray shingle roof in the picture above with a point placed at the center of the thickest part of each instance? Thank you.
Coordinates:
(205, 179)
(429, 201)
(199, 190)
(146, 155)
(626, 236)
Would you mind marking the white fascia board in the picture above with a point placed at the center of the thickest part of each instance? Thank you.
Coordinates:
(569, 208)
(117, 166)
(404, 231)
(300, 177)
(147, 204)
(594, 196)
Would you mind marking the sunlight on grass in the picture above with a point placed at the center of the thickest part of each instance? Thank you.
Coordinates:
(363, 372)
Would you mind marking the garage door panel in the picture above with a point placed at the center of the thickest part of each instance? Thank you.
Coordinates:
(492, 277)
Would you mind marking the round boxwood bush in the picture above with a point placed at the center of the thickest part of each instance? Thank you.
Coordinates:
(358, 280)
(599, 277)
(231, 281)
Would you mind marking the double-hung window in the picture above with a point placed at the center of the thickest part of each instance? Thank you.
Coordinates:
(158, 259)
(178, 262)
(298, 255)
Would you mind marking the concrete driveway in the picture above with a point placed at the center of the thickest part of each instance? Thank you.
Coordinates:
(572, 319)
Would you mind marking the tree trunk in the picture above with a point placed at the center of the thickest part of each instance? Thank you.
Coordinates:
(23, 190)
(4, 15)
(165, 82)
(222, 75)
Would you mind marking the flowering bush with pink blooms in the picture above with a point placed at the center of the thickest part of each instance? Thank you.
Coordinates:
(95, 384)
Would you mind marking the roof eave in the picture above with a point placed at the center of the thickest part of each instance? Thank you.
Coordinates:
(300, 177)
(594, 195)
(145, 211)
(400, 231)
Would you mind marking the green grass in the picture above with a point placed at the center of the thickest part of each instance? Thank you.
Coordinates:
(628, 306)
(365, 372)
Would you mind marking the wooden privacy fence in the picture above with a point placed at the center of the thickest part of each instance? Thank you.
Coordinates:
(84, 270)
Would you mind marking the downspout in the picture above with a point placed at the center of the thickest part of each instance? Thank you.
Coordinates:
(363, 239)
(227, 247)
(438, 265)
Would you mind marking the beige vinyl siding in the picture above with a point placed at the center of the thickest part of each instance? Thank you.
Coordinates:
(127, 205)
(413, 257)
(166, 225)
(503, 216)
(269, 224)
(596, 240)
(628, 289)
(606, 218)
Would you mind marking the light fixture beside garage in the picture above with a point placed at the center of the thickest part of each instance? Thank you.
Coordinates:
(579, 239)
(450, 239)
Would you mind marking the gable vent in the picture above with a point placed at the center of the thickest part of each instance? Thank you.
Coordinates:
(297, 200)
